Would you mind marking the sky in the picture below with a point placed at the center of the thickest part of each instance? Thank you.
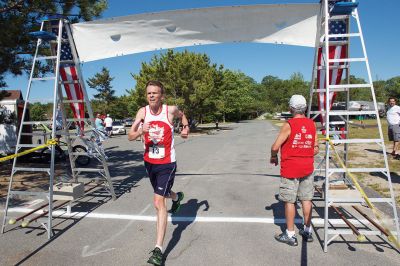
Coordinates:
(379, 21)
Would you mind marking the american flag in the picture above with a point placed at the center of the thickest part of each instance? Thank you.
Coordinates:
(335, 74)
(69, 74)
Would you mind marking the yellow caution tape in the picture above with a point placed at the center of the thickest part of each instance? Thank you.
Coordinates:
(391, 237)
(48, 143)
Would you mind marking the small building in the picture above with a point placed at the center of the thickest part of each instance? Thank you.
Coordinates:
(11, 109)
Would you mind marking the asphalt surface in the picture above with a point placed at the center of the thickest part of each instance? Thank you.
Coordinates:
(229, 214)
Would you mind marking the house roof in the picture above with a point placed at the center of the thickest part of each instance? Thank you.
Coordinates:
(12, 95)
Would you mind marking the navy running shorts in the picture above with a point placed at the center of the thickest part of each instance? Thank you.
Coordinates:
(162, 177)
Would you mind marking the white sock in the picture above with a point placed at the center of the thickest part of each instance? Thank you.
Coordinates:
(307, 229)
(290, 233)
(160, 247)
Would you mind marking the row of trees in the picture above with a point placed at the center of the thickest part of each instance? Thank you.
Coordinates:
(209, 92)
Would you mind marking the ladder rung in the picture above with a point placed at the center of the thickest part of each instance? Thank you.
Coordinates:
(345, 60)
(80, 153)
(334, 43)
(73, 101)
(95, 170)
(355, 141)
(44, 35)
(353, 112)
(28, 193)
(357, 170)
(36, 122)
(344, 35)
(77, 119)
(34, 134)
(359, 200)
(28, 145)
(45, 57)
(338, 17)
(331, 90)
(350, 86)
(334, 67)
(337, 122)
(45, 78)
(70, 82)
(67, 62)
(31, 169)
(335, 132)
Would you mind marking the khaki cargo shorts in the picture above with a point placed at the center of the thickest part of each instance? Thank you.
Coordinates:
(291, 189)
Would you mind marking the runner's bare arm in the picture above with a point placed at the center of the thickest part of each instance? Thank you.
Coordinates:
(179, 114)
(282, 137)
(135, 131)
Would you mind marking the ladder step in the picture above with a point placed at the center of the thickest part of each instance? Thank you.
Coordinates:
(337, 17)
(357, 170)
(350, 86)
(28, 145)
(42, 79)
(77, 119)
(36, 122)
(331, 90)
(357, 200)
(70, 82)
(73, 101)
(67, 62)
(34, 134)
(352, 113)
(30, 169)
(334, 43)
(345, 60)
(28, 193)
(94, 170)
(44, 35)
(46, 58)
(344, 35)
(355, 141)
(333, 67)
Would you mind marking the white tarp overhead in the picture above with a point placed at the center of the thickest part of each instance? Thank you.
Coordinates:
(293, 24)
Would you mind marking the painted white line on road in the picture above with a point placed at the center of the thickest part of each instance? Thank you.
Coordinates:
(197, 219)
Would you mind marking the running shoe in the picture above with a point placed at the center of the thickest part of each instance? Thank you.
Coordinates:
(307, 236)
(176, 205)
(156, 258)
(284, 238)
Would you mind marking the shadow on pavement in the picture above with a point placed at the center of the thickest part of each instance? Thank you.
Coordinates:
(188, 209)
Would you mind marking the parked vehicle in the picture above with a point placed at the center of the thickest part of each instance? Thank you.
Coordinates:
(118, 128)
(128, 122)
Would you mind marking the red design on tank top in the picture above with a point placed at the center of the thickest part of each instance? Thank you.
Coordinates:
(297, 153)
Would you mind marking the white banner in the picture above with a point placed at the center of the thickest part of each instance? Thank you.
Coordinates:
(291, 24)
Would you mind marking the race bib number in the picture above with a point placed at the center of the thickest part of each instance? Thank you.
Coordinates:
(156, 152)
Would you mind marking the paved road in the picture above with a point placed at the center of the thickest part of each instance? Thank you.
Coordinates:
(229, 215)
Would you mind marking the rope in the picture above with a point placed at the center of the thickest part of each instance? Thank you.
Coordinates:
(48, 143)
(375, 211)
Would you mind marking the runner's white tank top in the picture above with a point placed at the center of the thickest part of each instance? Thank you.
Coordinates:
(159, 141)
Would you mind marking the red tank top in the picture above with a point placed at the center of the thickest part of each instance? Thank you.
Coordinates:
(159, 141)
(297, 153)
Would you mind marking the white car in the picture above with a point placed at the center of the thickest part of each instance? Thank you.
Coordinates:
(118, 128)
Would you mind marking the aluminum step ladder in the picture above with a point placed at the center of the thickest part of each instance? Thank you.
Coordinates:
(55, 34)
(331, 62)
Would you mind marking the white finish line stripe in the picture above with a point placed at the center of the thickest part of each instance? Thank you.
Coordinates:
(148, 218)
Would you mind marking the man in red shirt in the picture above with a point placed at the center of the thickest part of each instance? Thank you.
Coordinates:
(298, 144)
(155, 123)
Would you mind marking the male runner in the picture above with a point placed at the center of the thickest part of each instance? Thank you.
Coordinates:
(159, 155)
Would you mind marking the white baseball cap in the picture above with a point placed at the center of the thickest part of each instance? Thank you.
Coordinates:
(297, 102)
